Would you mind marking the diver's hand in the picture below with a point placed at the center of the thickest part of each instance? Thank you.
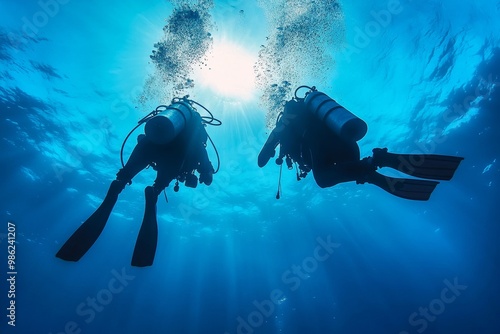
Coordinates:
(206, 178)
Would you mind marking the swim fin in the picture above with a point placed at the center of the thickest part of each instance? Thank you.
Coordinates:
(418, 190)
(86, 235)
(427, 166)
(145, 246)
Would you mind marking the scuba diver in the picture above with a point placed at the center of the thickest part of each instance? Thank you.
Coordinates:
(316, 133)
(174, 145)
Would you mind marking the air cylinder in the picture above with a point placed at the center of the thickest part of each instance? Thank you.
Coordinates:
(162, 129)
(337, 118)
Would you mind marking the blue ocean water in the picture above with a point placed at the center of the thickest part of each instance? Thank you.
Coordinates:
(77, 76)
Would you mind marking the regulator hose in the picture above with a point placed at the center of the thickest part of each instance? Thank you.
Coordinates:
(313, 88)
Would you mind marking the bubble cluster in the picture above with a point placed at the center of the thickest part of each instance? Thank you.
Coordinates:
(187, 39)
(302, 36)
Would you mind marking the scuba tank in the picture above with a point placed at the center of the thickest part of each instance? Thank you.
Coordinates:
(337, 118)
(162, 129)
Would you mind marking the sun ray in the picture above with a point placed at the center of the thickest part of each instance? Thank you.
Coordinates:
(228, 71)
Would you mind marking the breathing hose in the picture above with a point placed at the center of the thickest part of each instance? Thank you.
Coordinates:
(313, 88)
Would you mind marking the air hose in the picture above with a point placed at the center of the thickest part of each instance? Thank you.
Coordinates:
(313, 88)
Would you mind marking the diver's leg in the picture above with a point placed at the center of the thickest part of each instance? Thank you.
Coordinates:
(364, 171)
(165, 173)
(330, 175)
(141, 157)
(419, 190)
(145, 246)
(86, 235)
(327, 173)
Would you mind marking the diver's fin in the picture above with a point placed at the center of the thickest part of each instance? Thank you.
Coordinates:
(427, 166)
(86, 235)
(419, 190)
(145, 246)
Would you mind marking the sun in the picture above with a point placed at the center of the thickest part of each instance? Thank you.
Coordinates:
(228, 71)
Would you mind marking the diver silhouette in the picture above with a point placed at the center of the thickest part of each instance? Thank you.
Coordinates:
(174, 145)
(318, 134)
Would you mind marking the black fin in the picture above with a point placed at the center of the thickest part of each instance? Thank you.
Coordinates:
(418, 190)
(145, 246)
(427, 166)
(86, 235)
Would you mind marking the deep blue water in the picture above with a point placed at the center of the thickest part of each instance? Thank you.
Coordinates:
(75, 78)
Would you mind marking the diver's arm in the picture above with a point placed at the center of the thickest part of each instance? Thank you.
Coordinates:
(289, 121)
(206, 169)
(268, 150)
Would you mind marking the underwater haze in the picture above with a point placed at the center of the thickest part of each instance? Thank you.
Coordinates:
(76, 76)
